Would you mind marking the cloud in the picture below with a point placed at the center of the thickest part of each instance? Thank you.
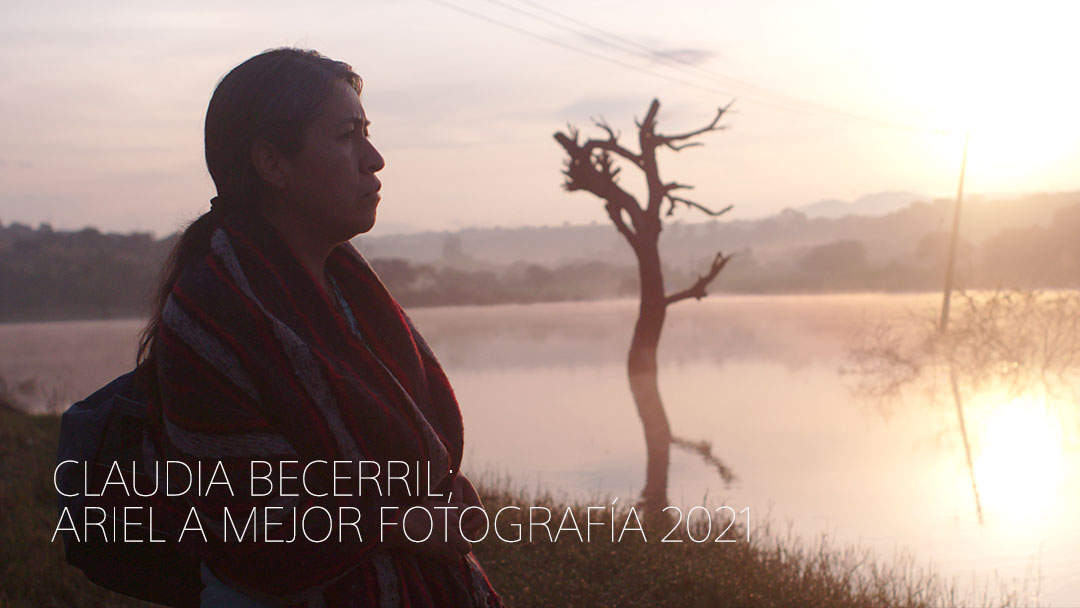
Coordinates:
(686, 56)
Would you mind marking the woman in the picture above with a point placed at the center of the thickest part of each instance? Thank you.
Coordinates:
(274, 343)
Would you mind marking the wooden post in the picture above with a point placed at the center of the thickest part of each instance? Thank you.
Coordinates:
(952, 242)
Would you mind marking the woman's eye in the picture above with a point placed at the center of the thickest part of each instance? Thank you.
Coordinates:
(348, 135)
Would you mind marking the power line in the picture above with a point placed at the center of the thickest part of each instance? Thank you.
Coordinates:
(547, 39)
(759, 94)
(689, 67)
(601, 57)
(630, 46)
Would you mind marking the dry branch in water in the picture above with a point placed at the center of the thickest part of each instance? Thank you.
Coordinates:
(1022, 339)
(703, 448)
(697, 290)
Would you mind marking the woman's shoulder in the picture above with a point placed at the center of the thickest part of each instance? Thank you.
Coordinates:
(210, 290)
(207, 275)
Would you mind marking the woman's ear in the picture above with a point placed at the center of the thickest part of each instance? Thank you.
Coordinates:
(267, 161)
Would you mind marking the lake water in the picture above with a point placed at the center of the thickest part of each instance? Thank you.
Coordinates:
(544, 394)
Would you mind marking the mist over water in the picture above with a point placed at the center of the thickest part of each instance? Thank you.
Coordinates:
(544, 394)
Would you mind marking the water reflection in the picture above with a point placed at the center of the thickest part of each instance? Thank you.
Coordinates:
(45, 367)
(954, 384)
(1011, 359)
(796, 331)
(543, 392)
(1021, 455)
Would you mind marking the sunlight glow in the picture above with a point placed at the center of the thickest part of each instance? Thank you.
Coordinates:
(1020, 458)
(1001, 74)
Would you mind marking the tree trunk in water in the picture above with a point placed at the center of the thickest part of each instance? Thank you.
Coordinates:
(590, 167)
(641, 366)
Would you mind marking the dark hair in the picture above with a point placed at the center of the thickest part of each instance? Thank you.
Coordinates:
(272, 97)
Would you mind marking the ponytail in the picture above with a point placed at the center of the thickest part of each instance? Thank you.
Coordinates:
(192, 246)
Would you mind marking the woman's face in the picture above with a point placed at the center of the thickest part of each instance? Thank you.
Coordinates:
(331, 184)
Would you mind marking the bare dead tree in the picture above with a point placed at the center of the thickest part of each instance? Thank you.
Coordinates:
(591, 167)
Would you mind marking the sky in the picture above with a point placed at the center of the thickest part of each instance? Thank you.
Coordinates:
(103, 102)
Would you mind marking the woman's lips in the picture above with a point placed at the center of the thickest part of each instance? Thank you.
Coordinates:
(372, 198)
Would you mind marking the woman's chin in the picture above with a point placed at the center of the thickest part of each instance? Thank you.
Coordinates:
(344, 230)
(366, 223)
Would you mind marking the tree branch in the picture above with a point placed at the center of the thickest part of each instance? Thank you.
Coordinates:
(692, 204)
(645, 127)
(584, 170)
(676, 186)
(615, 213)
(704, 449)
(665, 140)
(601, 123)
(691, 144)
(596, 173)
(697, 290)
(611, 144)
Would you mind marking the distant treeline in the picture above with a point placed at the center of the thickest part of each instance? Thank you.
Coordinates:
(53, 275)
(49, 275)
(1031, 256)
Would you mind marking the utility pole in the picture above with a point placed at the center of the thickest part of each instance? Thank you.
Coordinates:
(952, 242)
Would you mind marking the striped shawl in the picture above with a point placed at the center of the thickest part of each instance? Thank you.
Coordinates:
(256, 362)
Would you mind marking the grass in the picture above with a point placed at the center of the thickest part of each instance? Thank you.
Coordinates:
(770, 571)
(32, 570)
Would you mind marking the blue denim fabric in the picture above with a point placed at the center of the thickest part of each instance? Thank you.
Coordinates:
(217, 594)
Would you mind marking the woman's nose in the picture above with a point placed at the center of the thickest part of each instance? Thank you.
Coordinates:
(373, 161)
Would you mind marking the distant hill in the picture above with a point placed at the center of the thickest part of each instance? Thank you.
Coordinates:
(879, 203)
(779, 238)
(1015, 241)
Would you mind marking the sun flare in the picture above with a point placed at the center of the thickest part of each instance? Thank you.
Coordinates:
(1020, 458)
(1000, 74)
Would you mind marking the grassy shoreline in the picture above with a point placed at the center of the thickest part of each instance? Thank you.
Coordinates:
(769, 571)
